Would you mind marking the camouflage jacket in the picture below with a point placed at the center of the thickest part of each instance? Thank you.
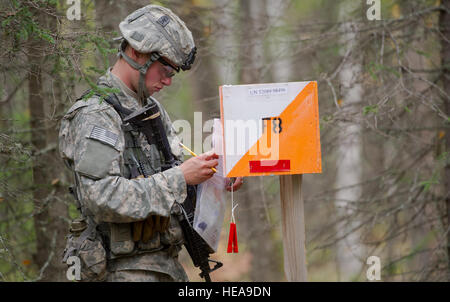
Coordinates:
(92, 142)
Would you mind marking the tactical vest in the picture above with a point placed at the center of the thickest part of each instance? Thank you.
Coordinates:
(126, 239)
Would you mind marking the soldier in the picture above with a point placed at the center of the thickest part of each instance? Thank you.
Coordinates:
(129, 228)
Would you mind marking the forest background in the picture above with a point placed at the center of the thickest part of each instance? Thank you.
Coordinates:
(383, 74)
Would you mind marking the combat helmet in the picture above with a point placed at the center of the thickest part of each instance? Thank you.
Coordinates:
(156, 30)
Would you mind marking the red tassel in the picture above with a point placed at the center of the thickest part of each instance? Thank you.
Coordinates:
(232, 239)
(235, 244)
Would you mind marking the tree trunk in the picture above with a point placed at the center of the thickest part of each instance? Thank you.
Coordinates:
(49, 209)
(349, 163)
(37, 115)
(280, 54)
(255, 228)
(444, 27)
(225, 39)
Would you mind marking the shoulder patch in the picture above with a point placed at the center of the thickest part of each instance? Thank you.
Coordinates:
(104, 136)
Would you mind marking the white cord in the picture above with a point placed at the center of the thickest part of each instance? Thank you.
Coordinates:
(233, 207)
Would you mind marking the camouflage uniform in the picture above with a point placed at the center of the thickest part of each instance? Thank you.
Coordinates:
(104, 153)
(92, 143)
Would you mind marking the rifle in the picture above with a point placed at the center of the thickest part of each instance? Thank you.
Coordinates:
(147, 120)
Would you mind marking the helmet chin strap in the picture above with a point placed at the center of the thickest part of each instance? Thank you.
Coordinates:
(142, 92)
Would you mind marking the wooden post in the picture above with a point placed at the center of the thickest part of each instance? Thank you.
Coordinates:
(293, 227)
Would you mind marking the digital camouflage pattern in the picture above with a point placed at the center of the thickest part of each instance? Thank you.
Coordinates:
(156, 28)
(92, 141)
(93, 260)
(138, 276)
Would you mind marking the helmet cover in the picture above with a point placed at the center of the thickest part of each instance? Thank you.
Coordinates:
(157, 29)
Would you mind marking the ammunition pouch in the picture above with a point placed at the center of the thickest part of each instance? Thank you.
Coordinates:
(151, 235)
(85, 243)
(120, 239)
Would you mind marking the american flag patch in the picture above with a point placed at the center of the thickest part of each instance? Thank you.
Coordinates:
(104, 136)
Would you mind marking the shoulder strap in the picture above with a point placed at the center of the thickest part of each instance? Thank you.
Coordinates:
(133, 161)
(113, 101)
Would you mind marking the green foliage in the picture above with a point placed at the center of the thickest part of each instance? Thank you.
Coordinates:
(16, 207)
(22, 25)
(103, 46)
(438, 168)
(423, 53)
(102, 91)
(370, 109)
(374, 69)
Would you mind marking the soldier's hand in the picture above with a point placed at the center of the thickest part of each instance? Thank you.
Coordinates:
(236, 184)
(198, 169)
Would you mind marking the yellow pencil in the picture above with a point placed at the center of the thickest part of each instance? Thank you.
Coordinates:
(192, 153)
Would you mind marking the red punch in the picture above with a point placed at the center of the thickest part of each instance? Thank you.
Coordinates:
(232, 239)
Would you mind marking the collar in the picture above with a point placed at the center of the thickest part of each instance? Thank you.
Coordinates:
(127, 97)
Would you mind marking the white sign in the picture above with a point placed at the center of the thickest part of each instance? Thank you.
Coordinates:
(270, 129)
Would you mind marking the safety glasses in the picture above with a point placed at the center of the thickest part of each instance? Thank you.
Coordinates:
(170, 69)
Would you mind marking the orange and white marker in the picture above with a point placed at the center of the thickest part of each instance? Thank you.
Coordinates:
(270, 129)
